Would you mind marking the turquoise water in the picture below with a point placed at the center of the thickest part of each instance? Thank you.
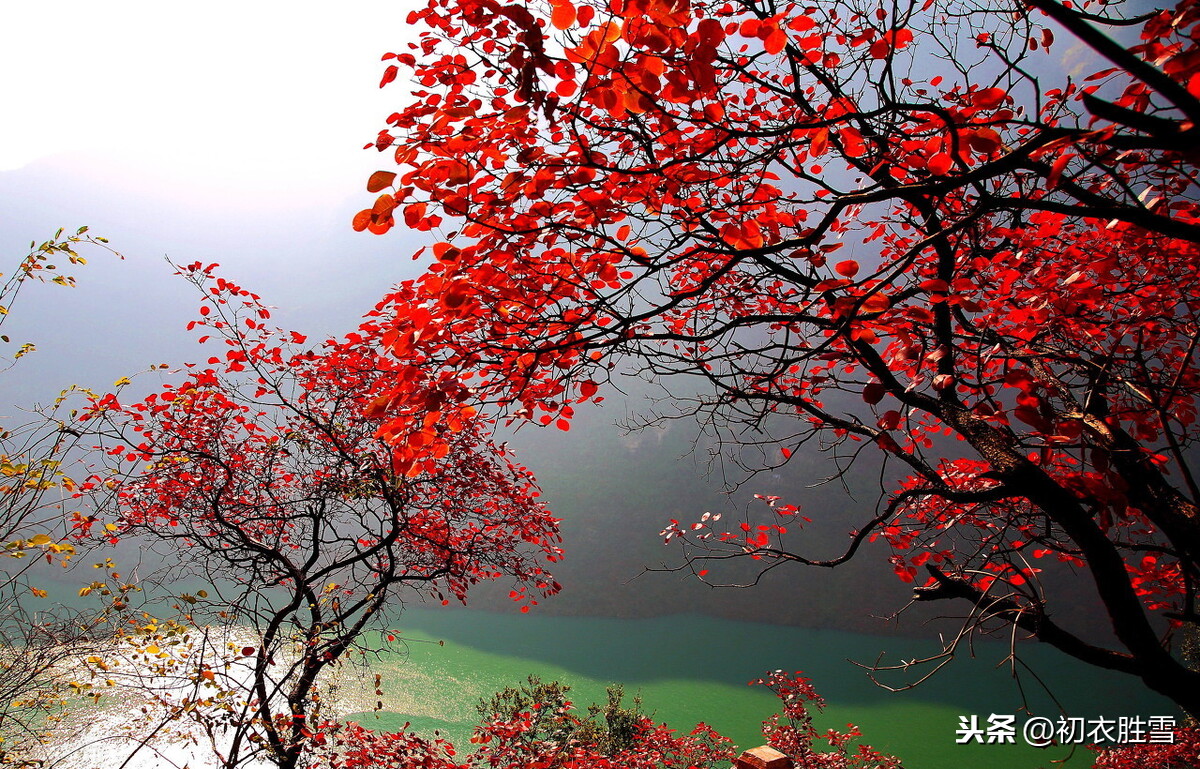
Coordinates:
(689, 668)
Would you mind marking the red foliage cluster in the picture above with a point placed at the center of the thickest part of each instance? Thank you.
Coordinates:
(857, 226)
(504, 742)
(793, 734)
(242, 450)
(1183, 753)
(502, 745)
(264, 474)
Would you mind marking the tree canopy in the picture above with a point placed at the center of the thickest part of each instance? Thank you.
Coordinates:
(262, 481)
(961, 234)
(39, 633)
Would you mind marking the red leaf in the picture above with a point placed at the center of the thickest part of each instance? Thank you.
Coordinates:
(940, 164)
(852, 142)
(819, 143)
(414, 213)
(776, 41)
(989, 98)
(563, 15)
(847, 268)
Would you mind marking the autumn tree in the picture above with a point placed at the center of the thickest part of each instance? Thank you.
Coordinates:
(40, 631)
(961, 234)
(291, 528)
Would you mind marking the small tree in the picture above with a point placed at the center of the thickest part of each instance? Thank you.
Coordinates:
(268, 487)
(39, 635)
(860, 226)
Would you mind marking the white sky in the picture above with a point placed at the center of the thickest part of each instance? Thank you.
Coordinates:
(228, 131)
(258, 96)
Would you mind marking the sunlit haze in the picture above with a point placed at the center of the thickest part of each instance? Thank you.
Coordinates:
(222, 132)
(230, 98)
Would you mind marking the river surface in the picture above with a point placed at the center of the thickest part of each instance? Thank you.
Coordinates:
(685, 668)
(689, 668)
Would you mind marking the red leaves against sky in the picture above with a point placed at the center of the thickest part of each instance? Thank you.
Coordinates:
(275, 438)
(826, 193)
(566, 218)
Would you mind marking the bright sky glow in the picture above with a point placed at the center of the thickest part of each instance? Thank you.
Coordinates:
(254, 97)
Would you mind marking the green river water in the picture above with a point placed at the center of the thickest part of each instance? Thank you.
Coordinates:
(689, 668)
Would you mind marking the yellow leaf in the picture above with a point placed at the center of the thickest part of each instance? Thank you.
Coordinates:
(37, 591)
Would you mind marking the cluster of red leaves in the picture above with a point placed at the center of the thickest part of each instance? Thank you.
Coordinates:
(1183, 753)
(504, 744)
(792, 733)
(241, 450)
(675, 180)
(558, 235)
(350, 746)
(265, 472)
(654, 747)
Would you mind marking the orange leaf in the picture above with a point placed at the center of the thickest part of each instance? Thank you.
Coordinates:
(819, 143)
(876, 303)
(460, 173)
(380, 180)
(563, 15)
